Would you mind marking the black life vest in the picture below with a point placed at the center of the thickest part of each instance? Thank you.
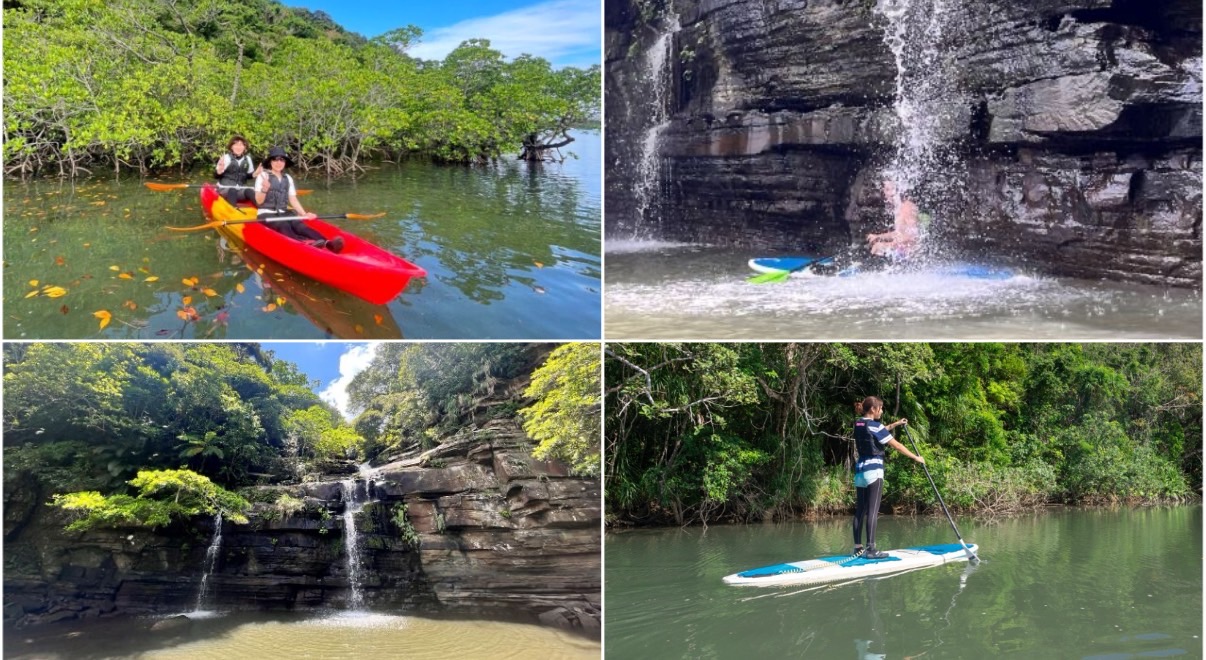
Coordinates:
(277, 198)
(864, 440)
(237, 171)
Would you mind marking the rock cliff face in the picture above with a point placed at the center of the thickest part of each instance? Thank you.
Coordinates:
(498, 535)
(1076, 130)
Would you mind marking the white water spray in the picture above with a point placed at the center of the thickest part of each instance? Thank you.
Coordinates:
(351, 542)
(211, 560)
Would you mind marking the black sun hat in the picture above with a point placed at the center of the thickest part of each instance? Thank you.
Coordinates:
(276, 152)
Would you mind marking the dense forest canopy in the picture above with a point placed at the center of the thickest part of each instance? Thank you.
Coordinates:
(150, 84)
(126, 433)
(763, 431)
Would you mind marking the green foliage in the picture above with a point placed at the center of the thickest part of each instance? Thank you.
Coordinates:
(132, 84)
(162, 496)
(755, 431)
(406, 531)
(564, 420)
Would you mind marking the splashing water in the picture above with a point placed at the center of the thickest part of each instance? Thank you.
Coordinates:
(211, 560)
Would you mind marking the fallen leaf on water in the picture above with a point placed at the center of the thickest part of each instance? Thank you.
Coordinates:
(64, 309)
(153, 278)
(114, 268)
(54, 291)
(126, 276)
(33, 283)
(31, 294)
(190, 281)
(87, 245)
(188, 314)
(130, 305)
(359, 329)
(209, 292)
(222, 317)
(104, 317)
(100, 203)
(280, 300)
(538, 264)
(33, 229)
(59, 260)
(142, 269)
(378, 318)
(187, 300)
(240, 288)
(269, 307)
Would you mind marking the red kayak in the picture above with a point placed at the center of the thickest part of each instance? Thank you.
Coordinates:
(361, 268)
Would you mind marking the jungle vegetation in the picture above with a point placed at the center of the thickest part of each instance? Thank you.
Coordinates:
(708, 432)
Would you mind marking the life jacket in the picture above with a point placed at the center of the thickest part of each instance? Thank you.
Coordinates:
(864, 439)
(237, 171)
(277, 197)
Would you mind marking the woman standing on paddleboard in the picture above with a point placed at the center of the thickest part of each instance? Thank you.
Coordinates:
(870, 438)
(275, 193)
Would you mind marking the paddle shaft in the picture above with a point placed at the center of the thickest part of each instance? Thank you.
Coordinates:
(939, 495)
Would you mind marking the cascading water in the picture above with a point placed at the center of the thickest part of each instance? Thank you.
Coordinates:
(930, 108)
(211, 560)
(351, 543)
(657, 73)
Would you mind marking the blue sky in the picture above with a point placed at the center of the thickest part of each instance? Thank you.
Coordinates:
(565, 32)
(332, 363)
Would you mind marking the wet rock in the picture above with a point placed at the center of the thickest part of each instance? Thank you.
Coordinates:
(178, 623)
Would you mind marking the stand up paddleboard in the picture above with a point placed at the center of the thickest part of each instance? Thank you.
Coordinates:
(766, 265)
(847, 567)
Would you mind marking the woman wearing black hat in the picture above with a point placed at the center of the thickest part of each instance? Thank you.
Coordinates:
(233, 170)
(275, 193)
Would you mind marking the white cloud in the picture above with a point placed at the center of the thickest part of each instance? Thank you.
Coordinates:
(550, 30)
(353, 361)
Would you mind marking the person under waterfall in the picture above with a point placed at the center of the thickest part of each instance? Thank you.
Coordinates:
(895, 247)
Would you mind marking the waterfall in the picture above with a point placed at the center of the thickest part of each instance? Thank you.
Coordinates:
(211, 560)
(657, 73)
(929, 107)
(351, 544)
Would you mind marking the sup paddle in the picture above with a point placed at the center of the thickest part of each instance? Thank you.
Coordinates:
(782, 275)
(165, 187)
(221, 223)
(970, 555)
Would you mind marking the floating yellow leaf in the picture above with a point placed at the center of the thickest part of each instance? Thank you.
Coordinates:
(280, 300)
(114, 268)
(130, 304)
(33, 283)
(538, 264)
(190, 281)
(269, 307)
(378, 318)
(126, 276)
(100, 203)
(142, 269)
(104, 317)
(187, 300)
(359, 329)
(153, 278)
(59, 260)
(240, 288)
(87, 245)
(209, 292)
(31, 294)
(55, 291)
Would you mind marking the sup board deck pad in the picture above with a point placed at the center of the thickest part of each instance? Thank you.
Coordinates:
(799, 265)
(844, 567)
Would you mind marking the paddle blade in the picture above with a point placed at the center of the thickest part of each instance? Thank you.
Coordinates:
(770, 278)
(164, 187)
(209, 225)
(361, 216)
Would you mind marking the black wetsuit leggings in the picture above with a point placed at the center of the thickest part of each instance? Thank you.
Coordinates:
(867, 504)
(236, 195)
(295, 229)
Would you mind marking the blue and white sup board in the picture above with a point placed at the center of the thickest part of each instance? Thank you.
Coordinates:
(799, 266)
(846, 567)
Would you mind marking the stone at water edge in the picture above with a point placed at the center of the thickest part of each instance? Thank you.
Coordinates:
(176, 623)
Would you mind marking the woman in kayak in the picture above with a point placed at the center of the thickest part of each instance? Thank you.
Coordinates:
(275, 193)
(234, 168)
(870, 438)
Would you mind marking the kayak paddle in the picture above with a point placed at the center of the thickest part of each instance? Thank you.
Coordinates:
(775, 276)
(221, 223)
(165, 187)
(970, 555)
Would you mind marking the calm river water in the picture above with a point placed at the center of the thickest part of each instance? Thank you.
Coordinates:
(1091, 584)
(511, 252)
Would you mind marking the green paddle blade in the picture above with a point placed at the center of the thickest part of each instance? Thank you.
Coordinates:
(771, 277)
